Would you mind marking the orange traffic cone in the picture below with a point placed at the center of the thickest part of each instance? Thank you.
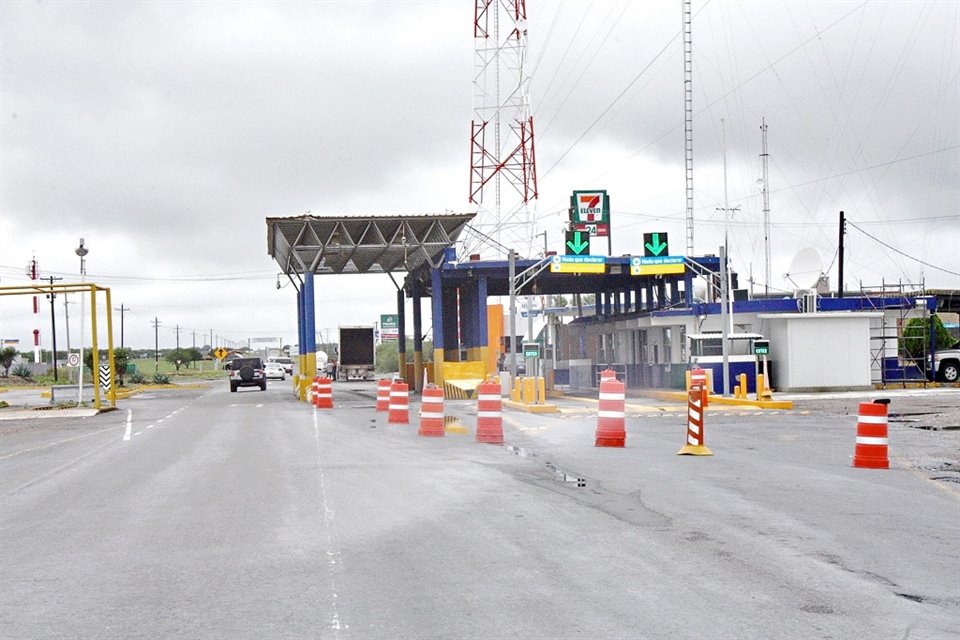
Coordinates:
(324, 394)
(431, 411)
(612, 413)
(383, 394)
(695, 446)
(871, 449)
(399, 410)
(489, 413)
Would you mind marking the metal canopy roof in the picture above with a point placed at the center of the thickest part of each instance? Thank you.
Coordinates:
(377, 244)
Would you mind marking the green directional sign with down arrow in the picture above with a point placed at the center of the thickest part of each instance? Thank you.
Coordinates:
(655, 244)
(578, 243)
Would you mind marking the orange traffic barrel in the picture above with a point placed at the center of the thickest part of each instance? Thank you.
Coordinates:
(383, 394)
(489, 413)
(608, 374)
(694, 445)
(398, 412)
(611, 415)
(871, 448)
(312, 392)
(431, 411)
(324, 395)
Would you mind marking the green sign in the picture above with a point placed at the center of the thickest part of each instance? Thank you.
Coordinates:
(389, 326)
(578, 243)
(655, 244)
(761, 347)
(531, 350)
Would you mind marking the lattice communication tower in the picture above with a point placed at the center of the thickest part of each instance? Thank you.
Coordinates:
(503, 172)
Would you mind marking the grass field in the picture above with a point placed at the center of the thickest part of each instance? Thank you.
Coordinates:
(202, 370)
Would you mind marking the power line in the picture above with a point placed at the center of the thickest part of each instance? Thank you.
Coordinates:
(905, 255)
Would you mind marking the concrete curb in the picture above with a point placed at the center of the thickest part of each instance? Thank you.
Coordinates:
(50, 412)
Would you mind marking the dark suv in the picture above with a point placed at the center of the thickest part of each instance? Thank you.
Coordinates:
(247, 372)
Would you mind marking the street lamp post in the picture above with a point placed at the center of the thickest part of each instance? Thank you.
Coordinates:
(81, 251)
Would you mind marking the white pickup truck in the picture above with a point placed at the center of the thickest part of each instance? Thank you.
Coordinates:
(946, 363)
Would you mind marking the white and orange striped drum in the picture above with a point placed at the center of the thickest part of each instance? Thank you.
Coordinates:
(871, 448)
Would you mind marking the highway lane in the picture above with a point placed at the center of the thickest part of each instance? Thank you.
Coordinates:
(251, 515)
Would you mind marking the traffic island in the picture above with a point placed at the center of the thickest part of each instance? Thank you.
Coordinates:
(681, 396)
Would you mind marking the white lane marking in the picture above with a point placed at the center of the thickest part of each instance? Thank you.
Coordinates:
(136, 433)
(160, 420)
(150, 426)
(126, 433)
(260, 406)
(332, 553)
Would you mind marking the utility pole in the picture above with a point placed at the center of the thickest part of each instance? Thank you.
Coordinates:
(178, 337)
(66, 313)
(766, 208)
(122, 309)
(53, 326)
(843, 230)
(156, 342)
(194, 339)
(512, 267)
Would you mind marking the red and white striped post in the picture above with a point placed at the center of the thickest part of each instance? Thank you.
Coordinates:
(611, 416)
(489, 413)
(431, 412)
(871, 449)
(694, 445)
(399, 410)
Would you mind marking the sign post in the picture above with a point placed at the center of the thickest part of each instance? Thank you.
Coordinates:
(532, 353)
(761, 348)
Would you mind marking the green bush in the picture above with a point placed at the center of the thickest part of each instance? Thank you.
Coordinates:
(916, 336)
(137, 378)
(161, 378)
(22, 371)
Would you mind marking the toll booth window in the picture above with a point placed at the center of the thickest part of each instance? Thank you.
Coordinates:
(707, 347)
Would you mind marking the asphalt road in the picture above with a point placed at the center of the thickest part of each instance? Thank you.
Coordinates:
(209, 514)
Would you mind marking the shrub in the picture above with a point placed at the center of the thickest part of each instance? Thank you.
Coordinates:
(161, 378)
(22, 371)
(138, 378)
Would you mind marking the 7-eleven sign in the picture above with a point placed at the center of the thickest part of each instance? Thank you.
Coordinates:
(590, 207)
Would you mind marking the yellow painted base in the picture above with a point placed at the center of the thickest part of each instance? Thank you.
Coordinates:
(531, 408)
(452, 424)
(694, 450)
(680, 396)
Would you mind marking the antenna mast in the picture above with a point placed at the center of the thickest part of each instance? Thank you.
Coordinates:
(688, 118)
(502, 154)
(765, 190)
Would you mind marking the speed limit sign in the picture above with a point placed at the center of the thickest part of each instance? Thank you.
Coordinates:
(73, 360)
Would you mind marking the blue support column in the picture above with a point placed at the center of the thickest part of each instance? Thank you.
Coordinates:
(439, 334)
(310, 326)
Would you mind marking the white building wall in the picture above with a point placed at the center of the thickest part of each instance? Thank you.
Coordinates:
(820, 350)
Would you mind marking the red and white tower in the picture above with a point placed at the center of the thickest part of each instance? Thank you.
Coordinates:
(503, 170)
(33, 273)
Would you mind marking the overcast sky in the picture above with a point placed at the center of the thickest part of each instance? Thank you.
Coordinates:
(164, 133)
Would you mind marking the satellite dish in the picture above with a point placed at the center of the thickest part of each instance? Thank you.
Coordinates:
(805, 268)
(699, 290)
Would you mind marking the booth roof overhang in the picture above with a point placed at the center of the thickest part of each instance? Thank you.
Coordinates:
(362, 244)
